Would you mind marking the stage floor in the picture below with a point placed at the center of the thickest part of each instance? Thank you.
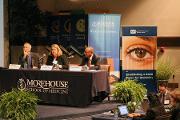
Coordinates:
(47, 112)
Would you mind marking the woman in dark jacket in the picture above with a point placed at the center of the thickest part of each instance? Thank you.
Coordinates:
(57, 57)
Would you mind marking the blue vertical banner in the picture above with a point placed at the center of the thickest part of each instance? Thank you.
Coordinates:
(2, 33)
(104, 36)
(139, 45)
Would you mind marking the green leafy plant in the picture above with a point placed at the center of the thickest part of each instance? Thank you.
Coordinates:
(18, 105)
(165, 69)
(129, 92)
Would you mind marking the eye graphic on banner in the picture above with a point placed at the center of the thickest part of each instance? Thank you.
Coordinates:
(80, 25)
(139, 44)
(55, 26)
(139, 53)
(67, 26)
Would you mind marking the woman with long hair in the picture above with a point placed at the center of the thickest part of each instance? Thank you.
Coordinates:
(57, 57)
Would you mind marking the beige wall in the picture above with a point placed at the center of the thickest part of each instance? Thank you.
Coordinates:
(162, 13)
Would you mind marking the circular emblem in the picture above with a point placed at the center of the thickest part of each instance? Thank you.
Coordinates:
(67, 26)
(80, 25)
(55, 26)
(21, 85)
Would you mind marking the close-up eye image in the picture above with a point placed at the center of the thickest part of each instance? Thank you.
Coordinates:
(138, 53)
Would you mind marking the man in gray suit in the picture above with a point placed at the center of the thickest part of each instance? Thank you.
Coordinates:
(25, 59)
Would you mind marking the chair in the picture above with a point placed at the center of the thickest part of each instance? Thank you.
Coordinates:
(107, 61)
(110, 62)
(107, 64)
(106, 68)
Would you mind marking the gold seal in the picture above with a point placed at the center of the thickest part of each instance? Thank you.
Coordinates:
(67, 26)
(55, 26)
(80, 25)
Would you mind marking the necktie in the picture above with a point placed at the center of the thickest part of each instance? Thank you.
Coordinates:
(29, 61)
(162, 98)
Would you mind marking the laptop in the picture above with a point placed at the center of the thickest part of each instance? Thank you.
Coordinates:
(123, 110)
(124, 113)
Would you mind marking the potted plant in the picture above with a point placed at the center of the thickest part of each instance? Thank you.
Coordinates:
(165, 69)
(18, 105)
(129, 92)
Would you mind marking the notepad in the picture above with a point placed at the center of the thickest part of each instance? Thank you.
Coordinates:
(46, 67)
(14, 66)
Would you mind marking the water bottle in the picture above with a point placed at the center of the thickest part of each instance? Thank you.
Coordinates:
(86, 67)
(25, 65)
(55, 66)
(116, 115)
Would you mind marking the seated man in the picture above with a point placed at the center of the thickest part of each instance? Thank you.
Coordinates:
(25, 59)
(90, 58)
(164, 94)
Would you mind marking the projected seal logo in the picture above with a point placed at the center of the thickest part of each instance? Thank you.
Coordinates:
(80, 25)
(55, 26)
(67, 26)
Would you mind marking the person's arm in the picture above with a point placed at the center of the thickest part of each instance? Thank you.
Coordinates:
(97, 63)
(65, 62)
(21, 60)
(83, 62)
(49, 60)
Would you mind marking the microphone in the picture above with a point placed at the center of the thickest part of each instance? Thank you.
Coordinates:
(44, 55)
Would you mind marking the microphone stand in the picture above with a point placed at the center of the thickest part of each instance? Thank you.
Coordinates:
(41, 61)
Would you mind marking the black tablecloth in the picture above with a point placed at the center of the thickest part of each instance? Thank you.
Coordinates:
(58, 87)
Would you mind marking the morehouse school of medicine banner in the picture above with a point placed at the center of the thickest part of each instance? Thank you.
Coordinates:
(139, 44)
(103, 36)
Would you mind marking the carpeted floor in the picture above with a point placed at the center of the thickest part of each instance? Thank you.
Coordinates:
(47, 112)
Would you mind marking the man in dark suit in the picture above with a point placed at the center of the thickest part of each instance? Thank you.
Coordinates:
(25, 59)
(90, 59)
